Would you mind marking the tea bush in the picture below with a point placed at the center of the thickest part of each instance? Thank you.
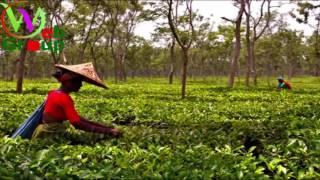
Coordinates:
(214, 133)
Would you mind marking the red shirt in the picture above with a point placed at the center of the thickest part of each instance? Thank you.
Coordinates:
(60, 106)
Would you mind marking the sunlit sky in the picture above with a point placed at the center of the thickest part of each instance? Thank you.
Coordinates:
(225, 8)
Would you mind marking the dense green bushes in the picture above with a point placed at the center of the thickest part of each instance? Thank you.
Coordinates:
(210, 134)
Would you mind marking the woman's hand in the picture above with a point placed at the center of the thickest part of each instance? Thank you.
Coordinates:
(116, 133)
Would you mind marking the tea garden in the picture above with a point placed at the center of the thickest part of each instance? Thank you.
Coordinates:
(214, 133)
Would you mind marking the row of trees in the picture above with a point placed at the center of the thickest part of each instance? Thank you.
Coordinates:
(250, 45)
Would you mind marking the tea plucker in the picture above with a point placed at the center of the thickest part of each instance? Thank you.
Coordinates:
(282, 84)
(59, 105)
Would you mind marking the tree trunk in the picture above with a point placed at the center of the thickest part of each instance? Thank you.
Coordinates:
(234, 61)
(22, 57)
(115, 69)
(247, 81)
(248, 44)
(185, 45)
(95, 61)
(115, 59)
(20, 69)
(238, 72)
(172, 61)
(253, 61)
(233, 66)
(114, 55)
(316, 50)
(122, 69)
(269, 72)
(236, 54)
(184, 72)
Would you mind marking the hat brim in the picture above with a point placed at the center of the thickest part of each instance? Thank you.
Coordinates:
(86, 78)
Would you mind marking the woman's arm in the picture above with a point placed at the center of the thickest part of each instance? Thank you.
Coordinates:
(113, 131)
(81, 123)
(88, 126)
(93, 123)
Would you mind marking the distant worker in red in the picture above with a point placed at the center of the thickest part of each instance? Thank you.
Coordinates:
(59, 106)
(283, 84)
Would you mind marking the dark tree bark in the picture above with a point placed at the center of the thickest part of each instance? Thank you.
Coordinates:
(185, 56)
(172, 61)
(248, 43)
(114, 55)
(22, 56)
(172, 50)
(20, 69)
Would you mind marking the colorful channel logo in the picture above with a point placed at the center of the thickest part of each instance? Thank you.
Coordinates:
(52, 38)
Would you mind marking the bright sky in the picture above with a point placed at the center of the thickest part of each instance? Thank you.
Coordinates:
(224, 8)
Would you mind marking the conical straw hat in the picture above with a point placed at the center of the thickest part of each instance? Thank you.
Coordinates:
(85, 70)
(280, 78)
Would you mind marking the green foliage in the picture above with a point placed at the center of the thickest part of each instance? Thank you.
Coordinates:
(305, 10)
(200, 137)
